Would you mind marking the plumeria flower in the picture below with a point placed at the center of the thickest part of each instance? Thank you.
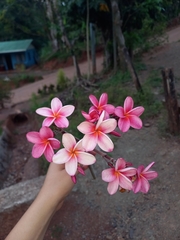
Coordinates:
(56, 114)
(44, 143)
(102, 105)
(96, 134)
(118, 177)
(72, 154)
(129, 116)
(92, 116)
(141, 183)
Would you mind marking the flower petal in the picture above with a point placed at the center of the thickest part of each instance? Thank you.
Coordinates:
(128, 104)
(55, 144)
(137, 185)
(48, 121)
(105, 142)
(86, 115)
(86, 158)
(135, 122)
(140, 169)
(113, 186)
(150, 175)
(103, 99)
(67, 110)
(144, 185)
(101, 118)
(46, 132)
(129, 171)
(68, 141)
(136, 111)
(119, 111)
(108, 125)
(56, 105)
(71, 166)
(48, 153)
(61, 122)
(94, 100)
(86, 127)
(62, 156)
(124, 124)
(33, 137)
(125, 182)
(109, 108)
(108, 175)
(148, 167)
(120, 164)
(89, 141)
(79, 146)
(38, 150)
(44, 111)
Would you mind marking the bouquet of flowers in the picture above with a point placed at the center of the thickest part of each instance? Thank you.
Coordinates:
(101, 119)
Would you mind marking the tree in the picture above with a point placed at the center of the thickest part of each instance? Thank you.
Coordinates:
(121, 43)
(22, 19)
(50, 7)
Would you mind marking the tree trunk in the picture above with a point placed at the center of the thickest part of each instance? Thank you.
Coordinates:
(122, 45)
(53, 30)
(171, 101)
(69, 45)
(114, 46)
(87, 39)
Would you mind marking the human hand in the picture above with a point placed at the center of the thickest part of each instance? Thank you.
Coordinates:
(57, 184)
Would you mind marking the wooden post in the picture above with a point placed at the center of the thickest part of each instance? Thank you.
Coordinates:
(171, 101)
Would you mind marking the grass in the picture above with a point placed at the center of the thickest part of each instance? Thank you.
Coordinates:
(19, 80)
(154, 79)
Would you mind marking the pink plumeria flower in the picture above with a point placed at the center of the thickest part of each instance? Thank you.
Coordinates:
(72, 154)
(129, 116)
(141, 183)
(118, 177)
(56, 114)
(95, 134)
(44, 143)
(102, 105)
(92, 116)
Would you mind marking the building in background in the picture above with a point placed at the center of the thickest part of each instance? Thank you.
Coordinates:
(17, 54)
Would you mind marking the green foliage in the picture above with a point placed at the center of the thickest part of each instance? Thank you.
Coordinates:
(75, 119)
(139, 65)
(47, 54)
(145, 38)
(148, 101)
(23, 19)
(23, 78)
(37, 102)
(154, 79)
(61, 80)
(44, 165)
(117, 87)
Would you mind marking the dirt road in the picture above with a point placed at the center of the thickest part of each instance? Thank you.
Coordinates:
(24, 93)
